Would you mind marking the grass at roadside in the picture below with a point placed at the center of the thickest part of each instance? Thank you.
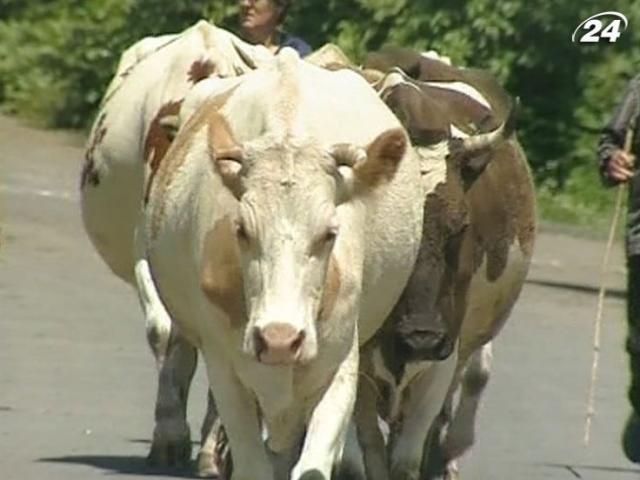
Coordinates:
(584, 206)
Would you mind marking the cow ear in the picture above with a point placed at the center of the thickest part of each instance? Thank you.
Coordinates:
(383, 157)
(363, 169)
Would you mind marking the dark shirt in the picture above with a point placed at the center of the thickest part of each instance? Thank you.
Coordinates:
(625, 116)
(296, 43)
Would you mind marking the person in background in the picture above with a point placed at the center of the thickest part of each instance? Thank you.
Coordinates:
(616, 167)
(261, 23)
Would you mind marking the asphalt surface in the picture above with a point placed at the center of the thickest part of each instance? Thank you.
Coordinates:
(77, 382)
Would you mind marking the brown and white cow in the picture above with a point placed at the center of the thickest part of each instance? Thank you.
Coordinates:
(478, 235)
(125, 147)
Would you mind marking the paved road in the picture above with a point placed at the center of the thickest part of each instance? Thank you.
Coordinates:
(77, 383)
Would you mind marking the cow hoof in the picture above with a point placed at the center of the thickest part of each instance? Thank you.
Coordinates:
(405, 471)
(170, 450)
(207, 466)
(452, 472)
(348, 471)
(435, 463)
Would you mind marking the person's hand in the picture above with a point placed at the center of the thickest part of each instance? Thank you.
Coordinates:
(620, 166)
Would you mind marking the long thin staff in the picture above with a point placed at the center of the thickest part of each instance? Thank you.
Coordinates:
(601, 295)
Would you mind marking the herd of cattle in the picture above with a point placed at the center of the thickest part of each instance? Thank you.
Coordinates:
(283, 217)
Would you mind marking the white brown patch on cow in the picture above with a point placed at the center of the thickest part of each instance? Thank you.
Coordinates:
(157, 141)
(90, 175)
(200, 69)
(505, 216)
(221, 275)
(424, 118)
(207, 118)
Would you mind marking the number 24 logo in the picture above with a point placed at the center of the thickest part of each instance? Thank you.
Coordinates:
(595, 31)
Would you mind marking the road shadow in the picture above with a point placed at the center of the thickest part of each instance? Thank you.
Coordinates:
(611, 292)
(577, 470)
(123, 465)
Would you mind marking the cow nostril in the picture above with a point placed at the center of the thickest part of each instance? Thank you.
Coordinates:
(297, 343)
(259, 343)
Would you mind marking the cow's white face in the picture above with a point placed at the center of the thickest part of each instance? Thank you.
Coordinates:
(286, 228)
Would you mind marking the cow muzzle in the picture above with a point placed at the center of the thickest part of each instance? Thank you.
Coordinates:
(278, 343)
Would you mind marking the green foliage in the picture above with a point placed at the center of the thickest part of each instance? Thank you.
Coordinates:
(54, 65)
(57, 56)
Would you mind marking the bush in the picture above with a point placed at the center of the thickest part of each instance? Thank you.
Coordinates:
(54, 65)
(56, 58)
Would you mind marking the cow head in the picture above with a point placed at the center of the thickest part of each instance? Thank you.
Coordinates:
(430, 311)
(286, 230)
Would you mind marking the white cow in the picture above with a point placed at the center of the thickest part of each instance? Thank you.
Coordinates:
(280, 230)
(126, 145)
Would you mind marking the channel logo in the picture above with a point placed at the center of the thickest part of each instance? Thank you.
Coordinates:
(603, 26)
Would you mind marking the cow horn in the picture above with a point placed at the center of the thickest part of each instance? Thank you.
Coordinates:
(477, 143)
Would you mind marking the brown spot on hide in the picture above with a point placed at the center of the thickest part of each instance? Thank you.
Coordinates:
(461, 229)
(464, 112)
(200, 69)
(390, 57)
(89, 175)
(158, 141)
(331, 289)
(502, 205)
(432, 70)
(423, 117)
(427, 112)
(425, 69)
(179, 149)
(221, 276)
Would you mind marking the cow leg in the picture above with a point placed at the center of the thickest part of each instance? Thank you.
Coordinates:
(327, 428)
(422, 402)
(352, 466)
(176, 360)
(210, 456)
(461, 432)
(434, 463)
(370, 438)
(284, 435)
(171, 436)
(239, 414)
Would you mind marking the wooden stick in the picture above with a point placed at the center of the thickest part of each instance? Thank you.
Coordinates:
(601, 296)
